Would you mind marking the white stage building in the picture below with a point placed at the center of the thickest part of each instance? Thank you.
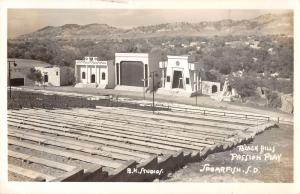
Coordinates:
(181, 77)
(133, 70)
(93, 73)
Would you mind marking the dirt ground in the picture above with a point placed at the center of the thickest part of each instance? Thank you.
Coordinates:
(276, 171)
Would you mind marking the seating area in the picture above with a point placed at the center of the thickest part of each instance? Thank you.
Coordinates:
(105, 143)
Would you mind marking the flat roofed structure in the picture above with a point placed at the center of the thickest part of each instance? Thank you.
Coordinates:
(50, 74)
(179, 74)
(134, 69)
(184, 78)
(94, 73)
(55, 76)
(19, 73)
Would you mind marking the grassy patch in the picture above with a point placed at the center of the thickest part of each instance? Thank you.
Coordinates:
(21, 99)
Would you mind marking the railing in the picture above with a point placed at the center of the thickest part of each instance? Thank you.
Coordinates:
(205, 112)
(56, 100)
(220, 113)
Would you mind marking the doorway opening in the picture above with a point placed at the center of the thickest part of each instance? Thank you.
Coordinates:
(93, 78)
(177, 79)
(45, 78)
(17, 82)
(214, 89)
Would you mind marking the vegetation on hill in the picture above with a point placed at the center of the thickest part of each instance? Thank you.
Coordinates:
(214, 52)
(261, 48)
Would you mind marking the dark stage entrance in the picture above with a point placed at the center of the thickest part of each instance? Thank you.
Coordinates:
(177, 79)
(17, 82)
(132, 73)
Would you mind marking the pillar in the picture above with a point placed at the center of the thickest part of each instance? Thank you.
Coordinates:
(163, 77)
(117, 80)
(200, 80)
(99, 75)
(195, 81)
(86, 74)
(96, 74)
(119, 76)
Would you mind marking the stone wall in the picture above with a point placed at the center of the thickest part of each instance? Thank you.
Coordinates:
(210, 88)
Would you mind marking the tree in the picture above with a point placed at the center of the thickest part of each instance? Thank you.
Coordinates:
(225, 69)
(35, 75)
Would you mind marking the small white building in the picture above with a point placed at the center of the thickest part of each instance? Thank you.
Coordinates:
(180, 75)
(19, 73)
(93, 73)
(254, 44)
(210, 88)
(184, 78)
(193, 44)
(55, 76)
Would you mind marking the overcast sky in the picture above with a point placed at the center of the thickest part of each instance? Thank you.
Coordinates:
(22, 21)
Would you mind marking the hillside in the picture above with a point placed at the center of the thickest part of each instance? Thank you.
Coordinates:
(263, 44)
(267, 24)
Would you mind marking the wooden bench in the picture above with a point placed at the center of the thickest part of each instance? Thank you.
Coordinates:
(66, 154)
(45, 162)
(29, 173)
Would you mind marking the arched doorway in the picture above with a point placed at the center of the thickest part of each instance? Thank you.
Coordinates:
(214, 89)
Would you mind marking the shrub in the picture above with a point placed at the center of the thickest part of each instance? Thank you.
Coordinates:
(273, 99)
(245, 86)
(35, 75)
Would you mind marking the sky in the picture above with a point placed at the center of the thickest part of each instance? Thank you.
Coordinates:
(23, 21)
